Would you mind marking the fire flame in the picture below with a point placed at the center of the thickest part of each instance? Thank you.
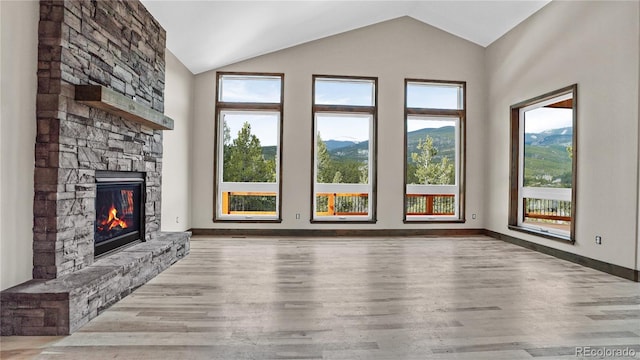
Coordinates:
(112, 221)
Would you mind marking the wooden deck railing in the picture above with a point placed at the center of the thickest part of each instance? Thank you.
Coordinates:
(546, 209)
(227, 208)
(347, 204)
(430, 204)
(343, 204)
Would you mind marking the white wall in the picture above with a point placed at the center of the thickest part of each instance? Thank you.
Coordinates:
(593, 44)
(176, 161)
(392, 51)
(18, 66)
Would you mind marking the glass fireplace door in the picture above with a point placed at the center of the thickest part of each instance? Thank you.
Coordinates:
(119, 213)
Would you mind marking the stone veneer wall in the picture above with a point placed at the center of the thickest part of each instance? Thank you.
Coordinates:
(117, 44)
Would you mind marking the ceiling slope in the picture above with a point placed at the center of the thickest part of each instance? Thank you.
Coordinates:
(207, 35)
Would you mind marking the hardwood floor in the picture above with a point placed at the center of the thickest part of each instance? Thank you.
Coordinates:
(357, 298)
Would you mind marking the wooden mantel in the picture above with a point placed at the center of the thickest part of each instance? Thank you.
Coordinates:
(111, 101)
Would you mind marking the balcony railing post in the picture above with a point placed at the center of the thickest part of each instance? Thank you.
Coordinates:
(429, 204)
(331, 204)
(225, 202)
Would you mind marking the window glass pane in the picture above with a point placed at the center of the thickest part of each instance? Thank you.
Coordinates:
(344, 92)
(250, 89)
(342, 149)
(548, 139)
(548, 166)
(250, 146)
(431, 151)
(434, 96)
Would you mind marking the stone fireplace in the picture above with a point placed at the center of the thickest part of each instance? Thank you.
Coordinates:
(98, 165)
(117, 45)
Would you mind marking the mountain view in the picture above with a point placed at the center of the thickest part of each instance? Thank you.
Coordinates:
(443, 141)
(430, 160)
(547, 159)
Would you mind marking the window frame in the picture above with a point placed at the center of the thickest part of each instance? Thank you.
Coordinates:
(517, 161)
(347, 110)
(240, 107)
(460, 115)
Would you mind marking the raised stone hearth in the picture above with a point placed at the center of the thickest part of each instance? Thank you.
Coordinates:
(118, 48)
(63, 305)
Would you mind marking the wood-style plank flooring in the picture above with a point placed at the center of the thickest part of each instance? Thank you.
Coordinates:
(364, 298)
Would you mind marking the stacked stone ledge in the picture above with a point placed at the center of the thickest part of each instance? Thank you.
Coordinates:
(63, 305)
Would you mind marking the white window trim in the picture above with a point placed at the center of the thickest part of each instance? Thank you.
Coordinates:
(460, 89)
(560, 194)
(439, 189)
(343, 188)
(347, 80)
(249, 77)
(246, 186)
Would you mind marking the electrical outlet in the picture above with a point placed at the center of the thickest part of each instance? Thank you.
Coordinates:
(177, 219)
(297, 216)
(598, 239)
(473, 216)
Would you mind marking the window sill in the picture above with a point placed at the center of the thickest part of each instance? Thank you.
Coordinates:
(546, 235)
(342, 221)
(433, 221)
(246, 221)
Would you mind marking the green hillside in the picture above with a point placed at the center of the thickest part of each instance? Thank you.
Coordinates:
(337, 144)
(443, 141)
(548, 166)
(357, 151)
(546, 158)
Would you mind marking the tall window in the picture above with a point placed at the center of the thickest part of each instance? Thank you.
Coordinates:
(434, 124)
(248, 133)
(543, 163)
(344, 134)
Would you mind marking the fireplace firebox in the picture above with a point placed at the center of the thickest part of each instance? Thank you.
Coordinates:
(119, 210)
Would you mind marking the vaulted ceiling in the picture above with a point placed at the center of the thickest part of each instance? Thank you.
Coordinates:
(207, 35)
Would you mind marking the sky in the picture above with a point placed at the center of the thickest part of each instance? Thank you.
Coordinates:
(356, 128)
(433, 96)
(264, 126)
(541, 119)
(336, 92)
(345, 128)
(418, 124)
(250, 89)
